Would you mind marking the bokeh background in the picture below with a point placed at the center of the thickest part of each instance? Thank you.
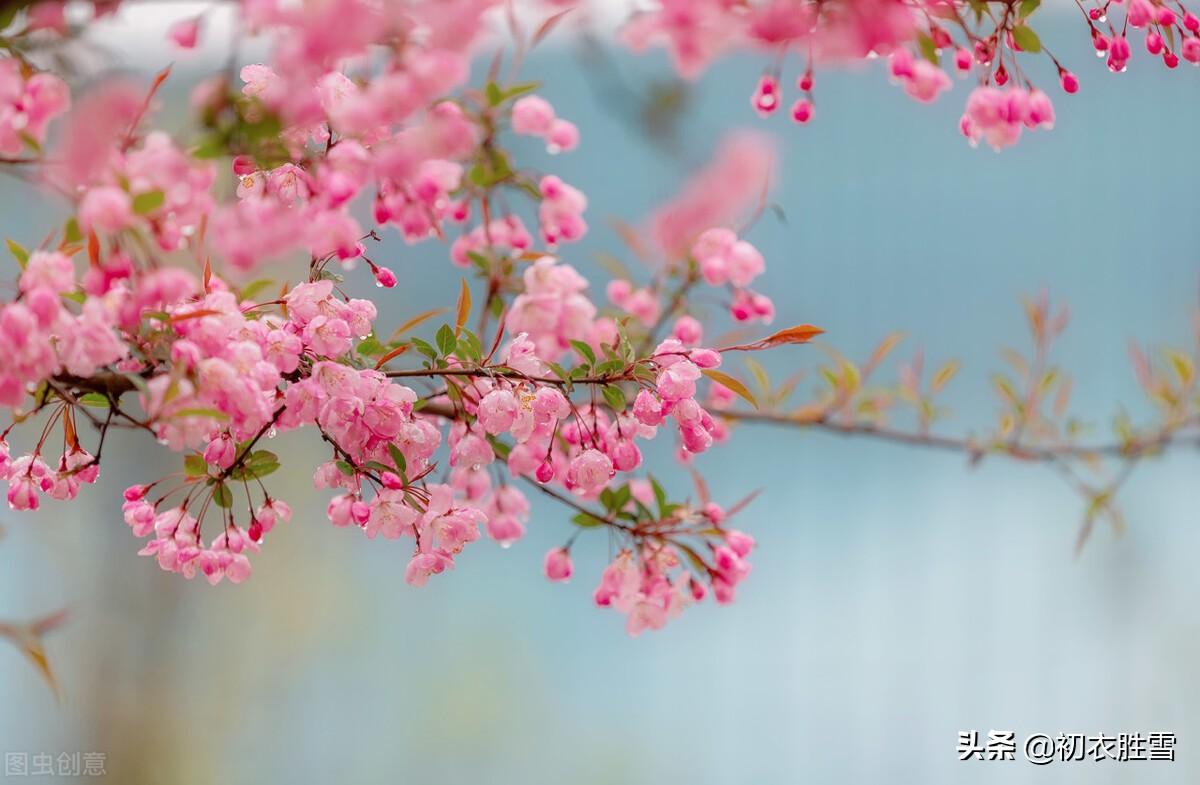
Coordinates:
(898, 596)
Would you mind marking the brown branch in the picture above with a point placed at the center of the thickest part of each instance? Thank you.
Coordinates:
(1135, 448)
(509, 373)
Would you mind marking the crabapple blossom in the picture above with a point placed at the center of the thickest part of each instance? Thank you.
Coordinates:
(557, 565)
(140, 310)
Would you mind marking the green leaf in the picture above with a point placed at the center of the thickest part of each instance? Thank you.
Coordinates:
(148, 202)
(585, 351)
(495, 95)
(424, 348)
(345, 468)
(371, 346)
(19, 253)
(211, 146)
(469, 347)
(587, 520)
(660, 495)
(222, 496)
(195, 466)
(614, 397)
(928, 47)
(254, 287)
(71, 232)
(501, 449)
(446, 340)
(213, 413)
(259, 463)
(622, 497)
(515, 91)
(1025, 38)
(610, 367)
(93, 399)
(397, 457)
(1028, 7)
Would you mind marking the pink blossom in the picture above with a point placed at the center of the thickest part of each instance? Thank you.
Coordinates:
(532, 115)
(185, 33)
(498, 411)
(107, 209)
(589, 471)
(557, 566)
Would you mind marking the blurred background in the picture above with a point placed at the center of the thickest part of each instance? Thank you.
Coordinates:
(898, 596)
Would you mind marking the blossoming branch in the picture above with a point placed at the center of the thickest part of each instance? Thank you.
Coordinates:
(139, 312)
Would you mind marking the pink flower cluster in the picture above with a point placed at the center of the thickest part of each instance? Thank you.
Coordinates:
(534, 116)
(360, 103)
(998, 116)
(177, 543)
(825, 31)
(27, 105)
(675, 396)
(561, 211)
(724, 259)
(553, 310)
(28, 476)
(41, 337)
(506, 234)
(921, 79)
(155, 186)
(657, 587)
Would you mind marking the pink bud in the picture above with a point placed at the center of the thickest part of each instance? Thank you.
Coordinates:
(1070, 83)
(563, 137)
(963, 59)
(558, 565)
(384, 277)
(1154, 42)
(1191, 50)
(185, 33)
(618, 291)
(256, 531)
(1001, 75)
(805, 82)
(766, 98)
(136, 492)
(1170, 59)
(391, 481)
(244, 165)
(545, 472)
(802, 111)
(705, 358)
(688, 330)
(1191, 22)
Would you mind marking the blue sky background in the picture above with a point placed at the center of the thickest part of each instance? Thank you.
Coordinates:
(897, 596)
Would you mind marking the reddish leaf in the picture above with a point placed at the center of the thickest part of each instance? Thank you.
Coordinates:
(416, 320)
(180, 317)
(393, 354)
(464, 307)
(28, 638)
(802, 333)
(548, 25)
(732, 383)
